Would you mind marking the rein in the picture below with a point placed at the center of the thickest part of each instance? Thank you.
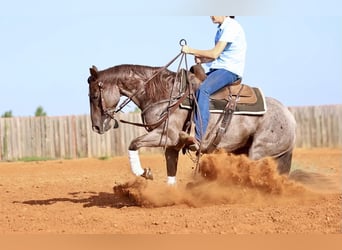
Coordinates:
(171, 107)
(130, 98)
(170, 110)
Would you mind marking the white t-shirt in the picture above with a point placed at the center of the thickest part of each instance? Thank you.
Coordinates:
(233, 56)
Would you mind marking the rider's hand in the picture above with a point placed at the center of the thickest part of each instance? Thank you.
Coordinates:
(198, 60)
(186, 49)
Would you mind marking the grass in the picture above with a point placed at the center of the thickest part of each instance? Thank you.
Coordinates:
(37, 158)
(34, 158)
(104, 158)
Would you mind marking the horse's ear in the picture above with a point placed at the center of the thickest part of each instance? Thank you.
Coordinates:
(93, 71)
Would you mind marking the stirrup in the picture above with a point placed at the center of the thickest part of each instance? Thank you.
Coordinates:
(194, 147)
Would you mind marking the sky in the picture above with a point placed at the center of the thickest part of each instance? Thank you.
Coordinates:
(46, 48)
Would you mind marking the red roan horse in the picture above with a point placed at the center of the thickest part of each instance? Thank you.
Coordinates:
(156, 92)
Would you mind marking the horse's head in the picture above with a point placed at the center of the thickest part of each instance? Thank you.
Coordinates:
(103, 97)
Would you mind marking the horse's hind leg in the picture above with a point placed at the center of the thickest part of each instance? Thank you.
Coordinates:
(171, 156)
(284, 162)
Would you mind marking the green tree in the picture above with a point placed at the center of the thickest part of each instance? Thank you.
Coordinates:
(7, 114)
(40, 111)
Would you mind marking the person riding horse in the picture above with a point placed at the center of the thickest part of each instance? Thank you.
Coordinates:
(227, 61)
(269, 132)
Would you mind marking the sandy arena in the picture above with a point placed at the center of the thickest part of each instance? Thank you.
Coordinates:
(237, 196)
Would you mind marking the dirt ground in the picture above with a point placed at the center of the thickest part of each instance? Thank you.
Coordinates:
(236, 196)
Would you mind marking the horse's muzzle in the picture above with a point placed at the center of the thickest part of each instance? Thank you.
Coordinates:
(105, 126)
(97, 129)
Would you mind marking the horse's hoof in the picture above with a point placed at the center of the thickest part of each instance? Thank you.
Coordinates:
(147, 174)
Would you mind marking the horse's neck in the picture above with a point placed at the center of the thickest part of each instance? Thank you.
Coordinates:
(134, 93)
(154, 88)
(134, 88)
(147, 89)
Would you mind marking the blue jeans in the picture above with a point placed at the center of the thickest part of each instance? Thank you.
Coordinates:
(216, 79)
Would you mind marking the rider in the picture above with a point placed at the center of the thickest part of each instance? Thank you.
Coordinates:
(226, 64)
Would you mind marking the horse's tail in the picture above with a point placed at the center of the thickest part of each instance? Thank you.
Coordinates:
(316, 181)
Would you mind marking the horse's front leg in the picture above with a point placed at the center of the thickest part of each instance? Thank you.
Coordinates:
(171, 156)
(153, 139)
(134, 159)
(135, 164)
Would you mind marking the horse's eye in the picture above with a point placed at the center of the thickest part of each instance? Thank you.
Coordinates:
(94, 96)
(90, 79)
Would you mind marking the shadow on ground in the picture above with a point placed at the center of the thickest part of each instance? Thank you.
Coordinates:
(101, 199)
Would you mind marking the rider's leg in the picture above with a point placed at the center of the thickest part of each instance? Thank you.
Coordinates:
(216, 80)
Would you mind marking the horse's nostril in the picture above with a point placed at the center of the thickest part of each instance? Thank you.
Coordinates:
(96, 129)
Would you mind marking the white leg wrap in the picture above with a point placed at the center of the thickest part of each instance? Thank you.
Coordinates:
(134, 161)
(171, 180)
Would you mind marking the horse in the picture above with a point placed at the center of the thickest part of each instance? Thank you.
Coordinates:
(157, 92)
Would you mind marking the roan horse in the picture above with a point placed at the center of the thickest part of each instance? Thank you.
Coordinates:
(157, 91)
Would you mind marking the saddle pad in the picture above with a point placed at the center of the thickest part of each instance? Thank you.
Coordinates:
(217, 106)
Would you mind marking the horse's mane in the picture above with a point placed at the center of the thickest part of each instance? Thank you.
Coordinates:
(157, 88)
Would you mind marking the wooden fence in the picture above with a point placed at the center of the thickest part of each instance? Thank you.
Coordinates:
(318, 126)
(64, 137)
(72, 137)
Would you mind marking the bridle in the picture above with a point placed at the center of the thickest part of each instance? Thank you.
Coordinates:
(107, 111)
(110, 112)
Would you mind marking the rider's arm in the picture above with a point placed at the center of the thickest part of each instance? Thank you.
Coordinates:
(213, 53)
(201, 59)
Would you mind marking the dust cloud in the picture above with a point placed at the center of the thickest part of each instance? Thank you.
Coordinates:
(224, 179)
